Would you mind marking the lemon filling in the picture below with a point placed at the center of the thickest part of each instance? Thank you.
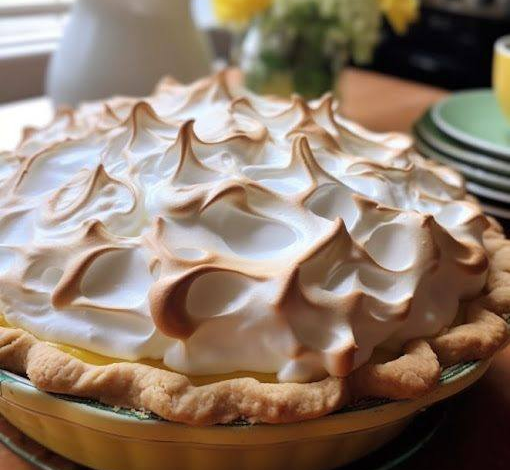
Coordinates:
(3, 322)
(99, 360)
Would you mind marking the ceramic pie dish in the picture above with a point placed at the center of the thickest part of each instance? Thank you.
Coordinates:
(211, 256)
(109, 438)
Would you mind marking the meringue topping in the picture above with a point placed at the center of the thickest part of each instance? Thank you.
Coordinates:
(221, 231)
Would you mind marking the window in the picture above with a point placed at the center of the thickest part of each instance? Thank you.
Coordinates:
(22, 7)
(29, 32)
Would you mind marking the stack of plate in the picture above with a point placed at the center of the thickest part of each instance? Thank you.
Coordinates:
(468, 132)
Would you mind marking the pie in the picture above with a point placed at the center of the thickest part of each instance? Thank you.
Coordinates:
(211, 255)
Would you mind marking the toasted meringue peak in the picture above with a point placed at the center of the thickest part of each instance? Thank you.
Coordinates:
(222, 231)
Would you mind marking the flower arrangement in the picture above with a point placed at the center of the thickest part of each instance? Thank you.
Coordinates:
(301, 45)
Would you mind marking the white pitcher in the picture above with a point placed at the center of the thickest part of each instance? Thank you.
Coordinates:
(123, 47)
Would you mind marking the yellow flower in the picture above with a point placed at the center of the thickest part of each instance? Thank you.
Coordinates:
(400, 13)
(238, 11)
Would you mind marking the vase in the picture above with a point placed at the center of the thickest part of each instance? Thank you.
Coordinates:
(281, 63)
(124, 47)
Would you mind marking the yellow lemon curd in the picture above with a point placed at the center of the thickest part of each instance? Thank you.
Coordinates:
(99, 360)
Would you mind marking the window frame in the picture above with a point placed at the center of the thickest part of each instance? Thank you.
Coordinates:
(24, 57)
(12, 9)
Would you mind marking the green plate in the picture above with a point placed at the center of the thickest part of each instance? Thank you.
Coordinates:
(473, 117)
(472, 173)
(426, 130)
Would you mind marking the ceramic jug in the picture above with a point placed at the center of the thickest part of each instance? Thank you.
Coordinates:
(112, 47)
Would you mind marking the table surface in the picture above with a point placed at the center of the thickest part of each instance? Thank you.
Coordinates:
(477, 430)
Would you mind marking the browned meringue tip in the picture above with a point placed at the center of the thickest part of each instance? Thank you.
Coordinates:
(68, 288)
(469, 257)
(140, 109)
(95, 179)
(166, 83)
(301, 149)
(364, 203)
(168, 299)
(168, 307)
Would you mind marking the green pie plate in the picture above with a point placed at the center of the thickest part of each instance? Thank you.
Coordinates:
(474, 118)
(426, 131)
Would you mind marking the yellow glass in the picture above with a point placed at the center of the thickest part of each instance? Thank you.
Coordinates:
(501, 74)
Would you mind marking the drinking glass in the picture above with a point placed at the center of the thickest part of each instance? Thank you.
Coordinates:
(501, 74)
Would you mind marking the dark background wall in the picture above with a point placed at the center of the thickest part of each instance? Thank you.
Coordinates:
(451, 46)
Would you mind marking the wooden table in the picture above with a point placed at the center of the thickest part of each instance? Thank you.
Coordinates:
(476, 433)
(379, 102)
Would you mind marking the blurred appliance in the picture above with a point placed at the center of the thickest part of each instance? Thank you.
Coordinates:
(451, 46)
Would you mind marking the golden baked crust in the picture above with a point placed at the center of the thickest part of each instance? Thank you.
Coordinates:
(480, 337)
(412, 375)
(173, 397)
(170, 395)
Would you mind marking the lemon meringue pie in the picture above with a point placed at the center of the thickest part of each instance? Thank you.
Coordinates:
(209, 255)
